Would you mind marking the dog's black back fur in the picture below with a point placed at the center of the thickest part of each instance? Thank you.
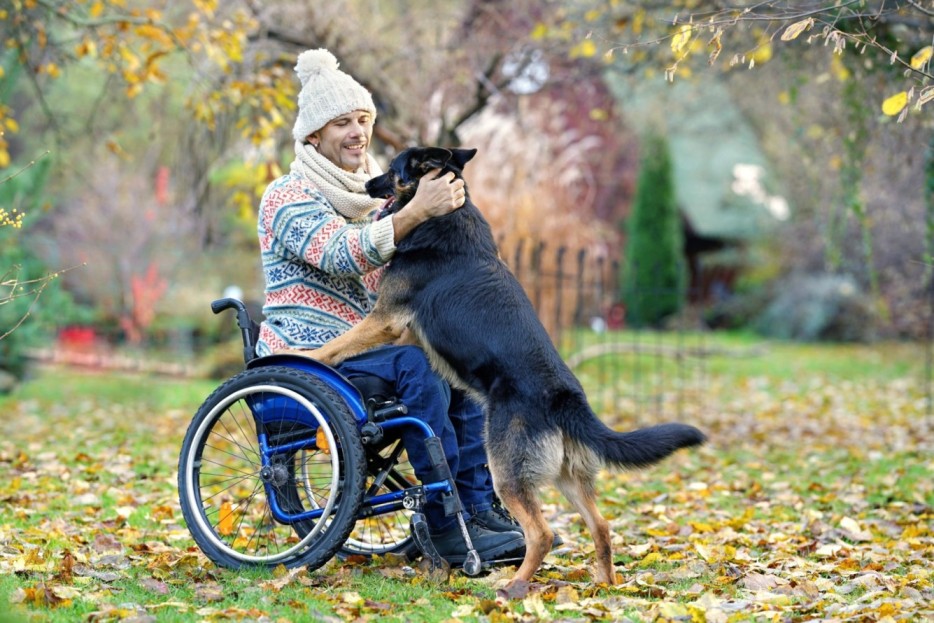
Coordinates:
(471, 310)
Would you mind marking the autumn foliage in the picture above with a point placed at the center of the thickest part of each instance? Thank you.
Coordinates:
(813, 500)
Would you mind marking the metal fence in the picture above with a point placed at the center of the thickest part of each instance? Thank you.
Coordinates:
(635, 372)
(628, 371)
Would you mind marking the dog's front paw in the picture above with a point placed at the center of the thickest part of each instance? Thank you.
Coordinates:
(317, 355)
(324, 356)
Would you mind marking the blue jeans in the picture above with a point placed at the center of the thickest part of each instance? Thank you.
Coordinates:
(455, 419)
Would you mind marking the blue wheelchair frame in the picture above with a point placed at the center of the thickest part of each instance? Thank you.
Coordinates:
(375, 505)
(411, 498)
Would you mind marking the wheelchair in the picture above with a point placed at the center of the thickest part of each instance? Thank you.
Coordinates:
(290, 463)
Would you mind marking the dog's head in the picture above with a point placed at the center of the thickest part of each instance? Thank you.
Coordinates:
(401, 180)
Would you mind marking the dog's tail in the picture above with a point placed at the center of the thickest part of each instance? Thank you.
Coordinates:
(641, 447)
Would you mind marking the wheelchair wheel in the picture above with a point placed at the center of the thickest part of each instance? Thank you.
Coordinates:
(227, 494)
(388, 471)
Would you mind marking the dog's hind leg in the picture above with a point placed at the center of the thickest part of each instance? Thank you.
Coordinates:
(579, 489)
(519, 464)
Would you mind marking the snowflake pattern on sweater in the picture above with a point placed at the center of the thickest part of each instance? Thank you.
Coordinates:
(321, 270)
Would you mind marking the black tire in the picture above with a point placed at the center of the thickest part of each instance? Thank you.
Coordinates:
(388, 471)
(224, 493)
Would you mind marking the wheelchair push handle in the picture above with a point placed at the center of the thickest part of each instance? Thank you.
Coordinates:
(246, 324)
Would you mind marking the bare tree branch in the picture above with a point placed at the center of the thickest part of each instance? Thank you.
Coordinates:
(921, 8)
(32, 163)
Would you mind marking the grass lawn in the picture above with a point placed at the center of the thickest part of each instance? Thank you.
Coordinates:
(814, 500)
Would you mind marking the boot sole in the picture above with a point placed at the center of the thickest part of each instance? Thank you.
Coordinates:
(491, 554)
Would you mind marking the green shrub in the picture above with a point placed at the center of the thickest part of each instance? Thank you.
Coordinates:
(653, 279)
(821, 307)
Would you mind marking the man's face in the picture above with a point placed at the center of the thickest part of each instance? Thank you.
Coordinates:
(344, 140)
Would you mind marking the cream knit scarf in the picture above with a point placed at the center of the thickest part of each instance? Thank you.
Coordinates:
(343, 189)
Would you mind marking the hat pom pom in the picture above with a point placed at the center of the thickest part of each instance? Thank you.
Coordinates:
(311, 62)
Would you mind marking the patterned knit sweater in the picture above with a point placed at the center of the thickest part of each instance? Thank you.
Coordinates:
(321, 269)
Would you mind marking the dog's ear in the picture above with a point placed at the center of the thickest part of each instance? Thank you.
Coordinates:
(462, 156)
(431, 158)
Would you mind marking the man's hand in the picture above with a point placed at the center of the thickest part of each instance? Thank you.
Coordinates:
(436, 196)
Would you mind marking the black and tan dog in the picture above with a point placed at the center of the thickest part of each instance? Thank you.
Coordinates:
(447, 285)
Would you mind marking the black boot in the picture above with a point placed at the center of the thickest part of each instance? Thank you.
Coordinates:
(490, 545)
(498, 519)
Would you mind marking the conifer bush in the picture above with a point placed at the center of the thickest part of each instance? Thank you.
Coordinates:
(653, 278)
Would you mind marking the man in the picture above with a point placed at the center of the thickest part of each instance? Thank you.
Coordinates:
(323, 248)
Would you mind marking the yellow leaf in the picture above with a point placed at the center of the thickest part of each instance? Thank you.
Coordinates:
(701, 526)
(130, 59)
(539, 32)
(671, 611)
(96, 9)
(638, 20)
(154, 33)
(894, 104)
(762, 54)
(650, 559)
(206, 6)
(534, 605)
(586, 49)
(86, 48)
(921, 57)
(225, 526)
(797, 28)
(599, 114)
(351, 597)
(11, 124)
(321, 441)
(838, 69)
(115, 148)
(704, 552)
(681, 38)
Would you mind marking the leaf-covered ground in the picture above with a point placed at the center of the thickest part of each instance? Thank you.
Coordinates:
(814, 500)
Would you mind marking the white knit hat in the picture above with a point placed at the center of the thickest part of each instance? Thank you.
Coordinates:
(327, 93)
